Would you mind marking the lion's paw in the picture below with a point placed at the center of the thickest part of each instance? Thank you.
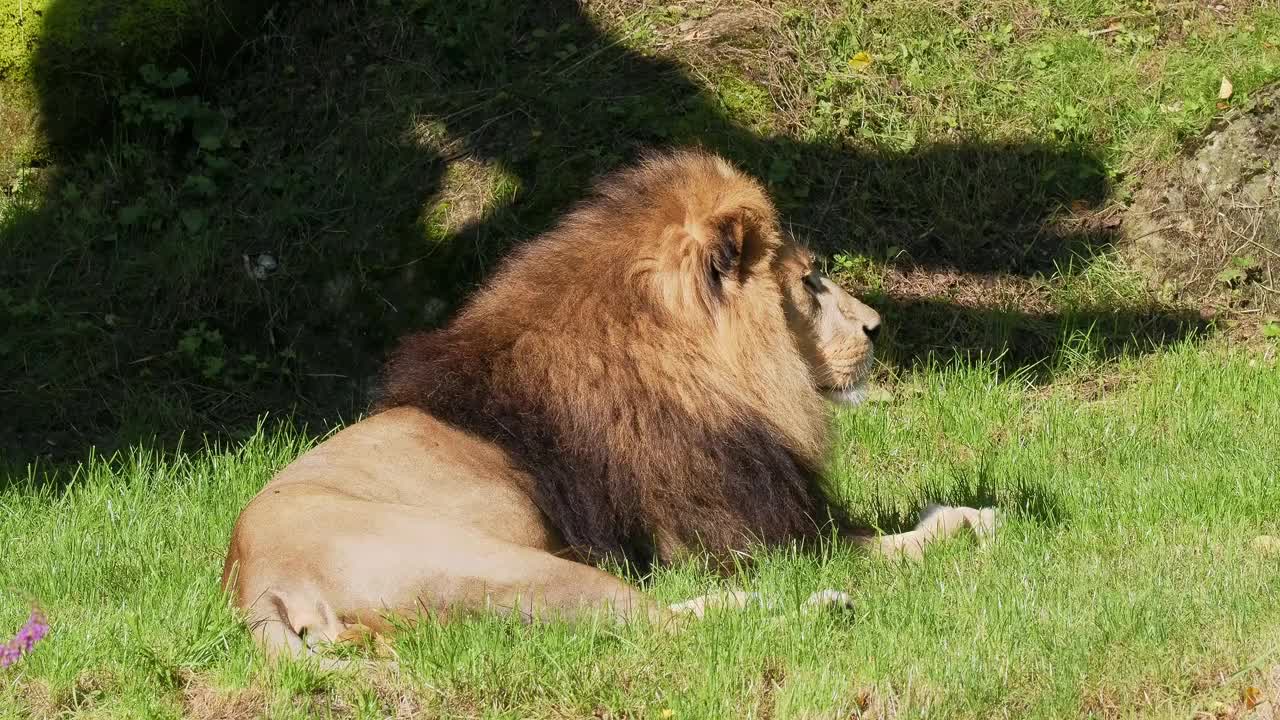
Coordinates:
(985, 523)
(732, 599)
(939, 521)
(827, 599)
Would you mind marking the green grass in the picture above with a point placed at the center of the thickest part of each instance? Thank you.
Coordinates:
(1122, 584)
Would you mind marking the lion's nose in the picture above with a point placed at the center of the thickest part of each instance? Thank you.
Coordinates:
(872, 329)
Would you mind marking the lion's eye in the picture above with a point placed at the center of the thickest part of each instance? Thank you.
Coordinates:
(813, 281)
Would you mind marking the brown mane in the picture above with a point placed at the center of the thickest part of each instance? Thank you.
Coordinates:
(637, 363)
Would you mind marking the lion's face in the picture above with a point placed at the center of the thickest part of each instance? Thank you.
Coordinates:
(834, 330)
(715, 243)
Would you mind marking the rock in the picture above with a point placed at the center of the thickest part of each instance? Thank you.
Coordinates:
(434, 311)
(1220, 201)
(261, 266)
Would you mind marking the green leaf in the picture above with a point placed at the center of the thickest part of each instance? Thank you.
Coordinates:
(132, 214)
(208, 127)
(1237, 271)
(213, 366)
(1271, 330)
(27, 309)
(201, 185)
(215, 163)
(177, 78)
(193, 219)
(151, 74)
(1231, 276)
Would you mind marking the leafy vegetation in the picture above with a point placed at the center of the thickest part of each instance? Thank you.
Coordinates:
(349, 173)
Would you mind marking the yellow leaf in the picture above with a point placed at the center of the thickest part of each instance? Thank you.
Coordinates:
(1251, 697)
(860, 61)
(1225, 89)
(668, 712)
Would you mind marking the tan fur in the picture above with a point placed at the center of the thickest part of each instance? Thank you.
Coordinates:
(642, 383)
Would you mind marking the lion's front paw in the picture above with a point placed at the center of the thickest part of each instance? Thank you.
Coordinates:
(985, 522)
(732, 599)
(941, 521)
(827, 599)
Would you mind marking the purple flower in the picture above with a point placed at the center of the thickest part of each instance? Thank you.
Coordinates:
(22, 643)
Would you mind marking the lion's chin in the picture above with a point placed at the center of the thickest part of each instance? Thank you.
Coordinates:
(849, 396)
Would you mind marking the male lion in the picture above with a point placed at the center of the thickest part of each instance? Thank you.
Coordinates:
(643, 383)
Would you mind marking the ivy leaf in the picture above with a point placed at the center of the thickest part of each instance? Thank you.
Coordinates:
(177, 79)
(200, 185)
(213, 366)
(151, 75)
(194, 219)
(131, 214)
(208, 127)
(1238, 270)
(1230, 275)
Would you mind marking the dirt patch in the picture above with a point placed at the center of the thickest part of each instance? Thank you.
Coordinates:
(1256, 700)
(20, 144)
(1206, 230)
(693, 26)
(1214, 695)
(202, 701)
(1263, 699)
(969, 290)
(42, 701)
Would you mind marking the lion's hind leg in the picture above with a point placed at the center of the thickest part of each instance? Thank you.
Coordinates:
(297, 622)
(937, 522)
(299, 626)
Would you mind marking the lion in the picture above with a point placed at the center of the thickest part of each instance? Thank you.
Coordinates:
(648, 382)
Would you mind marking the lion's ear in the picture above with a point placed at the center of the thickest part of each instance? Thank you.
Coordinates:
(732, 245)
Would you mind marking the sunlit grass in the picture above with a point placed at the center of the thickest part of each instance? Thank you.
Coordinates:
(1123, 576)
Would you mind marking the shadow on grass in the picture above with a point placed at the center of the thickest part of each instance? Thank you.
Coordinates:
(255, 242)
(1035, 344)
(1021, 497)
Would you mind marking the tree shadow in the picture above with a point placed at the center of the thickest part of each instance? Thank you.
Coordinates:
(1021, 497)
(261, 252)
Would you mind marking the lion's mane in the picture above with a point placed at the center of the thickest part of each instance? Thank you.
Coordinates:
(636, 362)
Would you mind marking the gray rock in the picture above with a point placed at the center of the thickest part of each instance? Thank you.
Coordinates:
(1220, 201)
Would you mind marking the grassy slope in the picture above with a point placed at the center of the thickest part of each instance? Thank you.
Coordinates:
(1123, 586)
(1123, 583)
